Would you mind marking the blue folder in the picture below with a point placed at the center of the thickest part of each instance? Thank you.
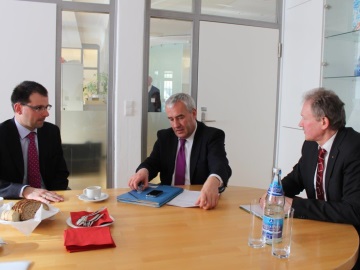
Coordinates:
(133, 197)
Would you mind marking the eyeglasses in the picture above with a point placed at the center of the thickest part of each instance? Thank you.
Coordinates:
(38, 108)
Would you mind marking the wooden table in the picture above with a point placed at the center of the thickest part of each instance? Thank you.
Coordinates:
(180, 238)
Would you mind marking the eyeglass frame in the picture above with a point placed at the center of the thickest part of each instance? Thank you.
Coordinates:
(39, 108)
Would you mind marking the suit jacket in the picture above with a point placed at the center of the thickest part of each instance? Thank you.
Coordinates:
(154, 102)
(207, 156)
(342, 181)
(53, 168)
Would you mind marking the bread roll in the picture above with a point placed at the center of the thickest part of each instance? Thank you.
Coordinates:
(10, 215)
(27, 208)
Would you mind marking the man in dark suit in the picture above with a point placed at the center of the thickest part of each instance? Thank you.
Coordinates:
(206, 162)
(154, 102)
(30, 104)
(335, 198)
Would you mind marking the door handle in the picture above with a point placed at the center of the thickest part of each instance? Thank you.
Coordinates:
(207, 121)
(203, 116)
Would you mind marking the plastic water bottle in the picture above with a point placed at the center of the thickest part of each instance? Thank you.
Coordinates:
(273, 218)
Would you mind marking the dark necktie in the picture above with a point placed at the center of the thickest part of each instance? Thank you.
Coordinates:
(180, 164)
(33, 169)
(320, 174)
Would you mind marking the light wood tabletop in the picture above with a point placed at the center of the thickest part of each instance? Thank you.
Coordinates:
(179, 238)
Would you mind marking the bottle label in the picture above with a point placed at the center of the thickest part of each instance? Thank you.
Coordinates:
(272, 227)
(275, 189)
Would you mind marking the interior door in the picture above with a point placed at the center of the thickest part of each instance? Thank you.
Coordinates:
(237, 86)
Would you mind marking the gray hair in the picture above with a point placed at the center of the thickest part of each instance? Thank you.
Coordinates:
(325, 103)
(184, 98)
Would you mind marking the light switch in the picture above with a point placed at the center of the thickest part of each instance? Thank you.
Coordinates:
(128, 107)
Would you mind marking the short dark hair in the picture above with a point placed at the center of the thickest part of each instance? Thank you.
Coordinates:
(23, 91)
(325, 103)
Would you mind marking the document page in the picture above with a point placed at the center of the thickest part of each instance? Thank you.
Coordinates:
(187, 198)
(258, 211)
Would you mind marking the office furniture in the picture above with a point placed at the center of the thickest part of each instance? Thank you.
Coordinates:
(180, 238)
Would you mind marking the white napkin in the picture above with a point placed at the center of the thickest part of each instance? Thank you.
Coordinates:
(27, 227)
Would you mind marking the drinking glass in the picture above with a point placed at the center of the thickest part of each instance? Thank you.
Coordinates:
(281, 249)
(255, 239)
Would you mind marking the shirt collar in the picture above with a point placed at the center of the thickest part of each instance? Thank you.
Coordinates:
(23, 131)
(191, 137)
(327, 146)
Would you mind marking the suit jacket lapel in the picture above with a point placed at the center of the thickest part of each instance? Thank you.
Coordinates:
(195, 151)
(13, 140)
(42, 144)
(332, 156)
(313, 166)
(173, 150)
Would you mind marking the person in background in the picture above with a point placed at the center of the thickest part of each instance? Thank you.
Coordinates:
(329, 167)
(154, 102)
(48, 170)
(206, 162)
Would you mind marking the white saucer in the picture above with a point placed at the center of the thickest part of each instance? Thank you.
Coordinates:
(69, 222)
(103, 197)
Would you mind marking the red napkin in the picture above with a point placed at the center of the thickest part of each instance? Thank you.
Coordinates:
(82, 239)
(103, 220)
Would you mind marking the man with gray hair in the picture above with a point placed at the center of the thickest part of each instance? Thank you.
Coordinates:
(329, 168)
(187, 153)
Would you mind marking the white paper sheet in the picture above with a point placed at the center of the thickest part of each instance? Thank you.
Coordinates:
(187, 198)
(20, 265)
(258, 211)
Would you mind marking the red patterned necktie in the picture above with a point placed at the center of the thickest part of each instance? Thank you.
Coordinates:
(180, 164)
(319, 174)
(33, 169)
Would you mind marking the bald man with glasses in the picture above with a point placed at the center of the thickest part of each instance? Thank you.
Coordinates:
(32, 164)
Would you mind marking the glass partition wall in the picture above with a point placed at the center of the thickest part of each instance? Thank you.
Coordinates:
(84, 96)
(169, 69)
(173, 47)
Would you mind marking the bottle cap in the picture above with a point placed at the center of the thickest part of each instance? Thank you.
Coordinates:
(277, 170)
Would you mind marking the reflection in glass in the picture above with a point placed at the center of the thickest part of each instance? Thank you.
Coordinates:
(259, 10)
(71, 54)
(174, 5)
(169, 67)
(91, 58)
(84, 69)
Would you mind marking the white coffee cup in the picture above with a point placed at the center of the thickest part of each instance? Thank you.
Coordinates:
(93, 192)
(1, 201)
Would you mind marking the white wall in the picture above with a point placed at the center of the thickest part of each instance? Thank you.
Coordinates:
(27, 52)
(300, 72)
(129, 66)
(238, 72)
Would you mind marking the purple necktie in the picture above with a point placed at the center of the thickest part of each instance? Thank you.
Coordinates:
(180, 164)
(320, 174)
(33, 170)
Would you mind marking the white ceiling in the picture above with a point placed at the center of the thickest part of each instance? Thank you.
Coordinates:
(80, 28)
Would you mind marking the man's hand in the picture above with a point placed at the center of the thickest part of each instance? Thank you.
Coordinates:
(140, 177)
(287, 206)
(209, 196)
(41, 195)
